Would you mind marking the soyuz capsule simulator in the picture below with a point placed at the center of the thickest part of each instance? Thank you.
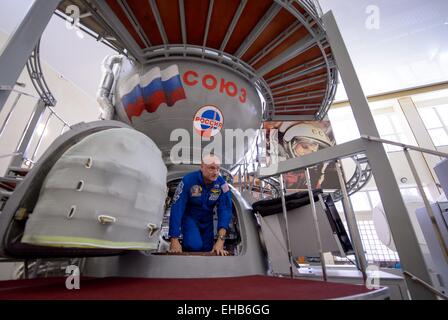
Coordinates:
(190, 76)
(178, 102)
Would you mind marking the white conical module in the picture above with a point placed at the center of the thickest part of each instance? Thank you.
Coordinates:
(107, 191)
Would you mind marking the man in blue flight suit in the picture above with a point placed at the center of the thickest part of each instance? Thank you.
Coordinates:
(196, 197)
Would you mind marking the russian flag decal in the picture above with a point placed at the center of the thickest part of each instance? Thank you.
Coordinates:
(149, 91)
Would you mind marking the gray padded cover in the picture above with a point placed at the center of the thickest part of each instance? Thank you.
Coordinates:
(116, 173)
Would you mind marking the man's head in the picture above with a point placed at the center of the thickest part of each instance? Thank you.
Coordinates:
(210, 166)
(303, 146)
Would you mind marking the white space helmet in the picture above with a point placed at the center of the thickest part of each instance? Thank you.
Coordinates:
(303, 132)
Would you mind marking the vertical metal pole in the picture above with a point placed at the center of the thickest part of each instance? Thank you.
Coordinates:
(28, 134)
(41, 138)
(245, 173)
(254, 170)
(258, 146)
(262, 189)
(427, 204)
(25, 269)
(316, 224)
(63, 128)
(418, 129)
(411, 256)
(17, 50)
(285, 216)
(240, 178)
(35, 271)
(351, 223)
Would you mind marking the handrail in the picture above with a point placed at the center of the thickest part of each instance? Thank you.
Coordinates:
(426, 285)
(406, 146)
(349, 149)
(325, 155)
(57, 116)
(336, 152)
(10, 155)
(37, 78)
(36, 75)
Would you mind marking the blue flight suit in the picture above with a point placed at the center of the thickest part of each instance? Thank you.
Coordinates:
(192, 211)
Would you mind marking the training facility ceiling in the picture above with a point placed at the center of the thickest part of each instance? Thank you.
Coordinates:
(280, 46)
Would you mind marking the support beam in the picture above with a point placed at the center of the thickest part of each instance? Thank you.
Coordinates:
(299, 84)
(325, 155)
(17, 50)
(276, 42)
(301, 67)
(156, 13)
(293, 51)
(183, 26)
(207, 24)
(303, 95)
(411, 257)
(133, 20)
(258, 29)
(232, 26)
(296, 107)
(298, 99)
(298, 74)
(128, 41)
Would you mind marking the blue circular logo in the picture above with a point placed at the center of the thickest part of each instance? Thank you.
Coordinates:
(208, 121)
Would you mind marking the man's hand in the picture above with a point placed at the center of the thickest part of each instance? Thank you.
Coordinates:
(175, 246)
(219, 248)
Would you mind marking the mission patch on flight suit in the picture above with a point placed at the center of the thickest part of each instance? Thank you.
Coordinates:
(215, 193)
(196, 191)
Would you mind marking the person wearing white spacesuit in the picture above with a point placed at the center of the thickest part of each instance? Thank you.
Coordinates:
(293, 140)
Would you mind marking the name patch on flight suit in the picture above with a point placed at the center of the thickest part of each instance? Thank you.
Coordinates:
(196, 191)
(214, 194)
(179, 189)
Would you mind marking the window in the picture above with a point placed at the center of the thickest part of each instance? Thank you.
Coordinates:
(343, 124)
(361, 201)
(374, 198)
(374, 195)
(390, 128)
(413, 191)
(375, 251)
(435, 119)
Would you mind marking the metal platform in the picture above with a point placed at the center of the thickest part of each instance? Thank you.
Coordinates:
(348, 274)
(233, 288)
